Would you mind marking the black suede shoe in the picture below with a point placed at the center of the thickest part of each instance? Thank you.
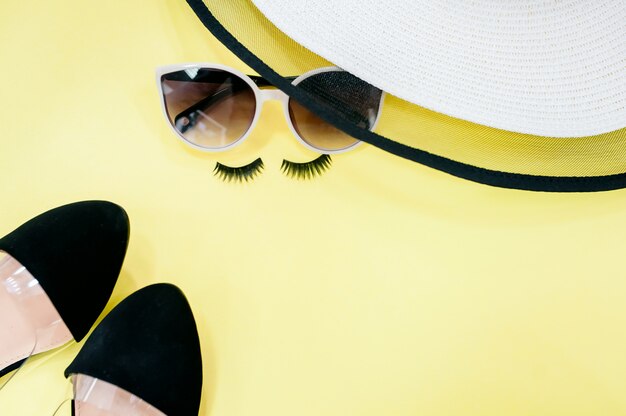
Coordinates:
(148, 347)
(57, 272)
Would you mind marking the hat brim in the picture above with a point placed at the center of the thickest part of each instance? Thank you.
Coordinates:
(464, 149)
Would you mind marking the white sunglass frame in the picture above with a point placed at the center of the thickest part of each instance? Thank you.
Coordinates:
(261, 96)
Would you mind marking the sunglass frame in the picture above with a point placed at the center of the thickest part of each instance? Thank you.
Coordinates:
(261, 96)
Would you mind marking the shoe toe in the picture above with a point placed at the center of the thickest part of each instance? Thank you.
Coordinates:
(76, 252)
(148, 345)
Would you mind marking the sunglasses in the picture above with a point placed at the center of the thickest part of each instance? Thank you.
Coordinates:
(214, 108)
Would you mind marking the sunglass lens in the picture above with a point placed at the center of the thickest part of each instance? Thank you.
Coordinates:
(210, 108)
(356, 101)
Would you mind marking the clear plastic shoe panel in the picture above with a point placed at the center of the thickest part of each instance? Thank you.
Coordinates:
(29, 323)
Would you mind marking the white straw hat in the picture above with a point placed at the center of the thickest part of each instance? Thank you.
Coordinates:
(518, 94)
(550, 68)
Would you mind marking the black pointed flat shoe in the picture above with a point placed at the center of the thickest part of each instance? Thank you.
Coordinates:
(57, 272)
(143, 358)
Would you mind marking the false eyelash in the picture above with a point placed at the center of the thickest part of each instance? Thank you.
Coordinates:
(239, 173)
(307, 170)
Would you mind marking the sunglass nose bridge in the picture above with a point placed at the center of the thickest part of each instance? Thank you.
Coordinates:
(273, 94)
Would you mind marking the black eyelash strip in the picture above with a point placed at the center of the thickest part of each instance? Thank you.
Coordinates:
(240, 173)
(307, 170)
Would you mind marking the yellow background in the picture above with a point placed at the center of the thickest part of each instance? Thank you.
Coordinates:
(382, 287)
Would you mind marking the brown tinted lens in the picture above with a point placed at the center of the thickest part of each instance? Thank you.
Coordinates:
(317, 132)
(210, 108)
(356, 101)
